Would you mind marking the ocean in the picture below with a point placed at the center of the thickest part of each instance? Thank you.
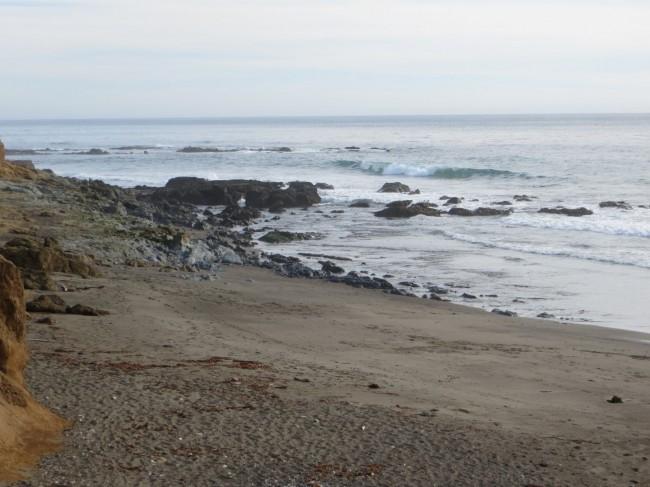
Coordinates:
(593, 269)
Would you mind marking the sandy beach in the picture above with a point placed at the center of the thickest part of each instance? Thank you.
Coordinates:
(243, 377)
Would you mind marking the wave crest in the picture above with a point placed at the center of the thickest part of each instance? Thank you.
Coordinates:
(435, 172)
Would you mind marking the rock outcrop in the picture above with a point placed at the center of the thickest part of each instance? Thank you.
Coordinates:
(27, 430)
(258, 194)
(37, 260)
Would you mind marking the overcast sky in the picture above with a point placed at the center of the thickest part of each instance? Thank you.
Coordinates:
(146, 58)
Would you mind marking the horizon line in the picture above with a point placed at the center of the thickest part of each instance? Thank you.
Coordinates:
(258, 117)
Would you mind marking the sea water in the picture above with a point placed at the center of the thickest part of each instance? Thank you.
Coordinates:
(592, 269)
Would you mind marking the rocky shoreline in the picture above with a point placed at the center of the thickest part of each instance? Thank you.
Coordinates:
(158, 330)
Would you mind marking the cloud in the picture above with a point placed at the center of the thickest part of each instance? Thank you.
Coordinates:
(379, 56)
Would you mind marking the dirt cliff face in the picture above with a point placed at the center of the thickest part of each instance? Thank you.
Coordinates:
(27, 430)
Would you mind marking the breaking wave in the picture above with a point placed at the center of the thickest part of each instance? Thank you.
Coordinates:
(436, 172)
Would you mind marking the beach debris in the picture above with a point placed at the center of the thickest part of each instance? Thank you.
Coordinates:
(373, 386)
(561, 210)
(301, 379)
(615, 400)
(395, 187)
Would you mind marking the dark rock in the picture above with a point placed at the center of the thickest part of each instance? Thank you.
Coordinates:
(504, 312)
(438, 290)
(615, 204)
(360, 204)
(404, 209)
(435, 297)
(454, 200)
(298, 194)
(615, 400)
(282, 259)
(50, 303)
(331, 267)
(323, 186)
(373, 386)
(560, 210)
(545, 315)
(502, 203)
(279, 236)
(353, 148)
(482, 211)
(523, 197)
(394, 188)
(357, 280)
(45, 321)
(467, 296)
(234, 215)
(337, 211)
(408, 284)
(324, 256)
(417, 191)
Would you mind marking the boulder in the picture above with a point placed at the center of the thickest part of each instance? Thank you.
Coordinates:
(38, 259)
(404, 209)
(396, 187)
(298, 194)
(83, 310)
(560, 210)
(331, 267)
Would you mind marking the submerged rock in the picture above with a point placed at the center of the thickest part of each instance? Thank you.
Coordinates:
(395, 187)
(615, 204)
(523, 197)
(560, 210)
(360, 204)
(323, 186)
(454, 200)
(482, 211)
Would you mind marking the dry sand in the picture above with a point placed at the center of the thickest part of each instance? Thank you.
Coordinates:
(464, 398)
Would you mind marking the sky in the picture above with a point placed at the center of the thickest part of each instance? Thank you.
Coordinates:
(211, 58)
